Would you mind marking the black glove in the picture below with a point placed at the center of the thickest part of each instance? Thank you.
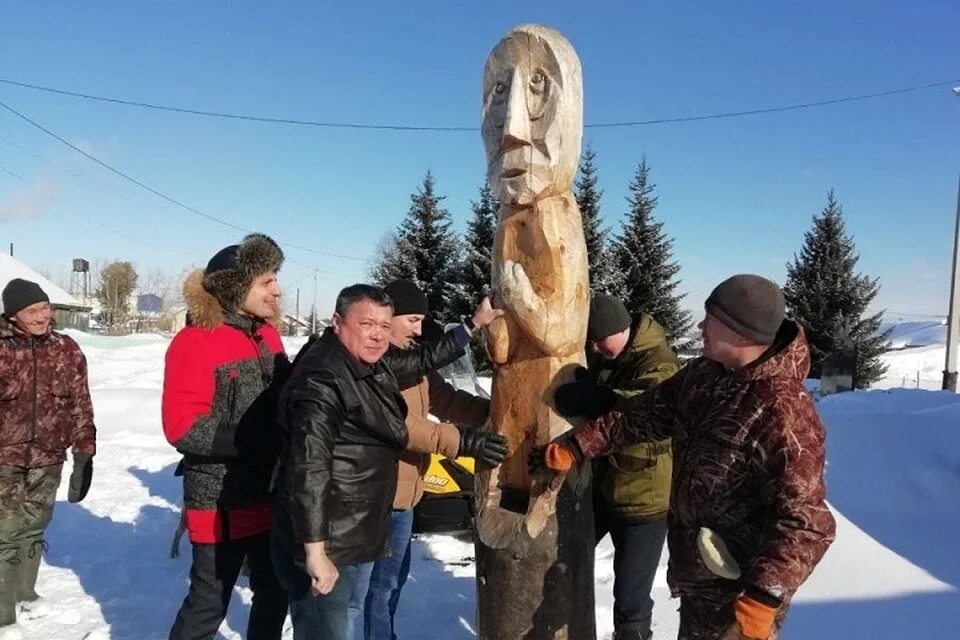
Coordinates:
(81, 477)
(584, 397)
(484, 446)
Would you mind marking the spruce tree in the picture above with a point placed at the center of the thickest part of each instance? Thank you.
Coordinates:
(473, 282)
(829, 298)
(643, 255)
(425, 250)
(603, 278)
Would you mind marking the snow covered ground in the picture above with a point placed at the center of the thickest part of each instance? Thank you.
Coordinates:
(894, 478)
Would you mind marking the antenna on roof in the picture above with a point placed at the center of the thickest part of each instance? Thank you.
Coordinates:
(11, 249)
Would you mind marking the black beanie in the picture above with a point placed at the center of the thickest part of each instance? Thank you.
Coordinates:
(750, 305)
(20, 294)
(408, 298)
(607, 317)
(232, 270)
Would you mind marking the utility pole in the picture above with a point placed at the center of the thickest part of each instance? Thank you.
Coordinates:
(953, 319)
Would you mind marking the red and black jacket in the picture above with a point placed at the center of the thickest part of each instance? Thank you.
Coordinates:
(220, 386)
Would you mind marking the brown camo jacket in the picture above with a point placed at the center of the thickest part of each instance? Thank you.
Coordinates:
(45, 403)
(749, 453)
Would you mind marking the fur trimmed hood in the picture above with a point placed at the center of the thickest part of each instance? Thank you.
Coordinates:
(219, 290)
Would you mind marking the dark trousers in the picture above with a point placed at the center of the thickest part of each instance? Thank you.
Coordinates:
(637, 548)
(315, 617)
(212, 578)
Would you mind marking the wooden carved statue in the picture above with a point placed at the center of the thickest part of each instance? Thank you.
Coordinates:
(535, 538)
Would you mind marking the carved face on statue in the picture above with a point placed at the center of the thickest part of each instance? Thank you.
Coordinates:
(532, 115)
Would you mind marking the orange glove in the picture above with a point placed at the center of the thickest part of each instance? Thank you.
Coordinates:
(558, 457)
(754, 618)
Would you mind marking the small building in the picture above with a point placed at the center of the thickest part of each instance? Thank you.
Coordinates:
(68, 312)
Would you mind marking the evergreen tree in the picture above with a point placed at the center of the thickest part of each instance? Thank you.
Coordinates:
(829, 298)
(643, 255)
(603, 277)
(473, 282)
(424, 250)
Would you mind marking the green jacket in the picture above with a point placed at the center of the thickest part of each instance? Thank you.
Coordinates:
(634, 484)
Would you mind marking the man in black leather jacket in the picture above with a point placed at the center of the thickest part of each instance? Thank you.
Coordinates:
(342, 419)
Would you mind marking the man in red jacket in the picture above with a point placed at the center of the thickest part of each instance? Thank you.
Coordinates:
(220, 387)
(44, 409)
(748, 520)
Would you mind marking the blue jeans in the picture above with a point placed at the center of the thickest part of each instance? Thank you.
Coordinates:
(373, 603)
(321, 616)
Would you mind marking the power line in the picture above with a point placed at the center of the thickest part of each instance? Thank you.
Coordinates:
(434, 128)
(112, 230)
(160, 194)
(10, 173)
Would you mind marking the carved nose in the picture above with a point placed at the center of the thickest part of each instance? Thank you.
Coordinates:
(516, 124)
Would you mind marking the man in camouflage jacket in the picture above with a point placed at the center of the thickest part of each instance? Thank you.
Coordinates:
(748, 464)
(45, 409)
(631, 486)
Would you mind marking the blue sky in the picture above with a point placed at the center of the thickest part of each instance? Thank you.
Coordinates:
(736, 194)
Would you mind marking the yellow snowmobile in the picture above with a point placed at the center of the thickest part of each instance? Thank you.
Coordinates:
(448, 498)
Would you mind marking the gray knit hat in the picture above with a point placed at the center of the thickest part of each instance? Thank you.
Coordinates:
(750, 305)
(607, 316)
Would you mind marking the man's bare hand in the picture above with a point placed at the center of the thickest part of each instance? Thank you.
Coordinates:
(485, 314)
(323, 573)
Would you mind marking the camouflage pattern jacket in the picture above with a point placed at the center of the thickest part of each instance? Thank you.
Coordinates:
(44, 398)
(748, 463)
(633, 484)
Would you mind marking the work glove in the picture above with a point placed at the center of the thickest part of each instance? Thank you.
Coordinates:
(485, 447)
(558, 456)
(583, 397)
(754, 618)
(81, 477)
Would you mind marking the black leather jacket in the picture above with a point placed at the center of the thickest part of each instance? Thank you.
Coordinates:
(343, 427)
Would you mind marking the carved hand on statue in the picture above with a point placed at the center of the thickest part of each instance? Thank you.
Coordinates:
(515, 288)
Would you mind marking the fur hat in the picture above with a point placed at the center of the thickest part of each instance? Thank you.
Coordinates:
(231, 271)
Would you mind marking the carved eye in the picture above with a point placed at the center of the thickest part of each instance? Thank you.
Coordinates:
(500, 88)
(538, 78)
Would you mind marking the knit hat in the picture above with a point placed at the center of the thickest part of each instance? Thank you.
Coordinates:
(232, 270)
(750, 305)
(20, 294)
(607, 317)
(408, 298)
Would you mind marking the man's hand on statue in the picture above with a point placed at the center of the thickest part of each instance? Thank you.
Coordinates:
(558, 456)
(485, 314)
(584, 397)
(484, 446)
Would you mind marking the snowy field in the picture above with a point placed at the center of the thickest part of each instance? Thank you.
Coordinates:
(894, 481)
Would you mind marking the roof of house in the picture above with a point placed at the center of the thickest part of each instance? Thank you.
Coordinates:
(11, 268)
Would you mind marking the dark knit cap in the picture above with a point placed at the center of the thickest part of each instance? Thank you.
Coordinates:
(232, 270)
(607, 317)
(750, 305)
(20, 294)
(408, 298)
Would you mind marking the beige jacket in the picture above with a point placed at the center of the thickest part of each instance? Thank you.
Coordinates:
(433, 395)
